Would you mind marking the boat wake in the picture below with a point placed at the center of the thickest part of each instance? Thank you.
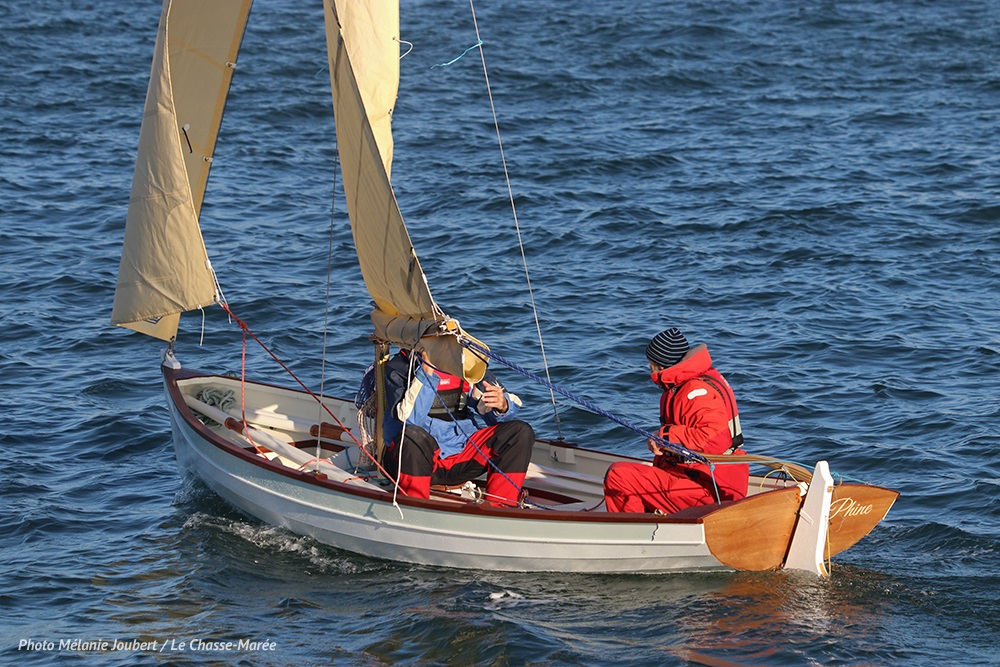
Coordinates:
(274, 541)
(507, 599)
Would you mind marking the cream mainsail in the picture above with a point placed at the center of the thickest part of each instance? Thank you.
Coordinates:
(164, 268)
(363, 46)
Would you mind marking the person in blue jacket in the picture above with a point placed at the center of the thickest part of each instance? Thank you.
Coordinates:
(440, 430)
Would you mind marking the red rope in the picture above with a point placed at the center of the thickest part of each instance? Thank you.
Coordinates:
(243, 396)
(246, 330)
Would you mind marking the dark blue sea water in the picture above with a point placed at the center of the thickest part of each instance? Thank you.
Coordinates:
(811, 188)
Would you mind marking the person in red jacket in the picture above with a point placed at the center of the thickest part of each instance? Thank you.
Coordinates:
(698, 411)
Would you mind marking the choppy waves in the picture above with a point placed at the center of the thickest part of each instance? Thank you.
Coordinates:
(810, 190)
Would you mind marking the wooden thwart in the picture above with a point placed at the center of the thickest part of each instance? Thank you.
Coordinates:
(330, 431)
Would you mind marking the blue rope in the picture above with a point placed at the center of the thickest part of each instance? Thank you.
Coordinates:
(455, 60)
(715, 485)
(683, 452)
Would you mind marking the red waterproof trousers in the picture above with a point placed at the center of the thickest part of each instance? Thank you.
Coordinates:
(637, 487)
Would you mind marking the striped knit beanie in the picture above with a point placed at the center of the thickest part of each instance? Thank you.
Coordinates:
(667, 347)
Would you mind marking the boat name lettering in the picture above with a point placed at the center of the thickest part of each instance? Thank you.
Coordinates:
(848, 507)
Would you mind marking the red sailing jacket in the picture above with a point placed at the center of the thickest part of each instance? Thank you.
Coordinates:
(698, 410)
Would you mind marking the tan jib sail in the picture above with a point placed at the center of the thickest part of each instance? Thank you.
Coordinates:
(164, 269)
(363, 45)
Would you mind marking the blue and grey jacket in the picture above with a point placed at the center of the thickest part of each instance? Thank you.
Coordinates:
(444, 406)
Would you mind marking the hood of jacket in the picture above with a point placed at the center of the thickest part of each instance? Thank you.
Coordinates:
(695, 363)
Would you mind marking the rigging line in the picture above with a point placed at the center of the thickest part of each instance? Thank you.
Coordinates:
(517, 226)
(326, 315)
(683, 452)
(453, 60)
(409, 44)
(247, 331)
(402, 436)
(243, 396)
(715, 485)
(220, 297)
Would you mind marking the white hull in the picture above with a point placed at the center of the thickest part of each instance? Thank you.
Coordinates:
(447, 530)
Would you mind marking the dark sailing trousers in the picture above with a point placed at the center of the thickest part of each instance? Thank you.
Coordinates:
(507, 445)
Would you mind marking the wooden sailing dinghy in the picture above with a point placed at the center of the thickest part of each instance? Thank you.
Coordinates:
(307, 463)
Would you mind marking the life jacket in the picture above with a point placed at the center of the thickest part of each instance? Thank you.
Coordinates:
(714, 380)
(452, 400)
(729, 482)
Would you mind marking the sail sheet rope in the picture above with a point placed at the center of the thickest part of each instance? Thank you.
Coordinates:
(795, 470)
(456, 59)
(323, 406)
